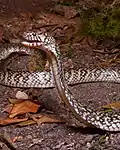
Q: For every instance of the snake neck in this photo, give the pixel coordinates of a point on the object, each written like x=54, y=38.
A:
x=100, y=119
x=8, y=48
x=62, y=88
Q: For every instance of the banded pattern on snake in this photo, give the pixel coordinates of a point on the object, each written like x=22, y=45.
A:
x=100, y=119
x=44, y=79
x=103, y=120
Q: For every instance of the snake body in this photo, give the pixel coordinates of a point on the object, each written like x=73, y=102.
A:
x=45, y=79
x=8, y=48
x=100, y=119
x=26, y=79
x=109, y=121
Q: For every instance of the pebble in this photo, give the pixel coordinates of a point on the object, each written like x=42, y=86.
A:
x=117, y=147
x=82, y=142
x=21, y=95
x=84, y=148
x=47, y=148
x=78, y=147
x=64, y=147
x=88, y=145
x=29, y=136
x=89, y=138
x=59, y=145
x=118, y=138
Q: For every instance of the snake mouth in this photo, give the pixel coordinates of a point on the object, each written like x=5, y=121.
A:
x=32, y=43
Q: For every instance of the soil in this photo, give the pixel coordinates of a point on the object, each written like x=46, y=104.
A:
x=77, y=51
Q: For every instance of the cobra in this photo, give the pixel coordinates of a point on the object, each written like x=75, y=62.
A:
x=109, y=121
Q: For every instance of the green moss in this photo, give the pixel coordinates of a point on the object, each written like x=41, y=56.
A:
x=104, y=23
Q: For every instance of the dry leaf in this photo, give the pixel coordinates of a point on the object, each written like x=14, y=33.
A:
x=115, y=105
x=15, y=101
x=11, y=121
x=24, y=107
x=26, y=123
x=39, y=119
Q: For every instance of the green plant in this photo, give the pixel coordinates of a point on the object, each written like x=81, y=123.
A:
x=66, y=3
x=103, y=23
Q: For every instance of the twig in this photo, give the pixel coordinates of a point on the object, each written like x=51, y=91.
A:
x=4, y=137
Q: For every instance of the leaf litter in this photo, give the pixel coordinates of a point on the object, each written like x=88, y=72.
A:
x=23, y=107
x=114, y=105
x=19, y=114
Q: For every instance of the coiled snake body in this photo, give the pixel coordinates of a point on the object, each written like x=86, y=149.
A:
x=109, y=121
x=44, y=79
x=100, y=119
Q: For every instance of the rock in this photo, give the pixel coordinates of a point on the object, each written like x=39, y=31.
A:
x=21, y=95
x=89, y=138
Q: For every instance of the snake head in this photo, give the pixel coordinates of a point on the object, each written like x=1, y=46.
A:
x=38, y=39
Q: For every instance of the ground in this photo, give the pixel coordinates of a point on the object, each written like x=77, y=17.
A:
x=78, y=51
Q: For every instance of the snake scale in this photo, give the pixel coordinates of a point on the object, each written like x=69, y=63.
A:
x=100, y=119
x=109, y=121
x=44, y=79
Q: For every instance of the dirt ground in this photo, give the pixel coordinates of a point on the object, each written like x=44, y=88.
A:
x=78, y=51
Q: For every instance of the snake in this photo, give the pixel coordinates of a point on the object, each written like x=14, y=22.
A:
x=109, y=121
x=45, y=79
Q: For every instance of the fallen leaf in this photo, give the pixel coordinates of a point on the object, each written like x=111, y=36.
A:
x=114, y=105
x=110, y=62
x=24, y=107
x=15, y=101
x=26, y=123
x=7, y=121
x=40, y=119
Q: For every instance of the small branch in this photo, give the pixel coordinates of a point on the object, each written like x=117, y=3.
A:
x=4, y=137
